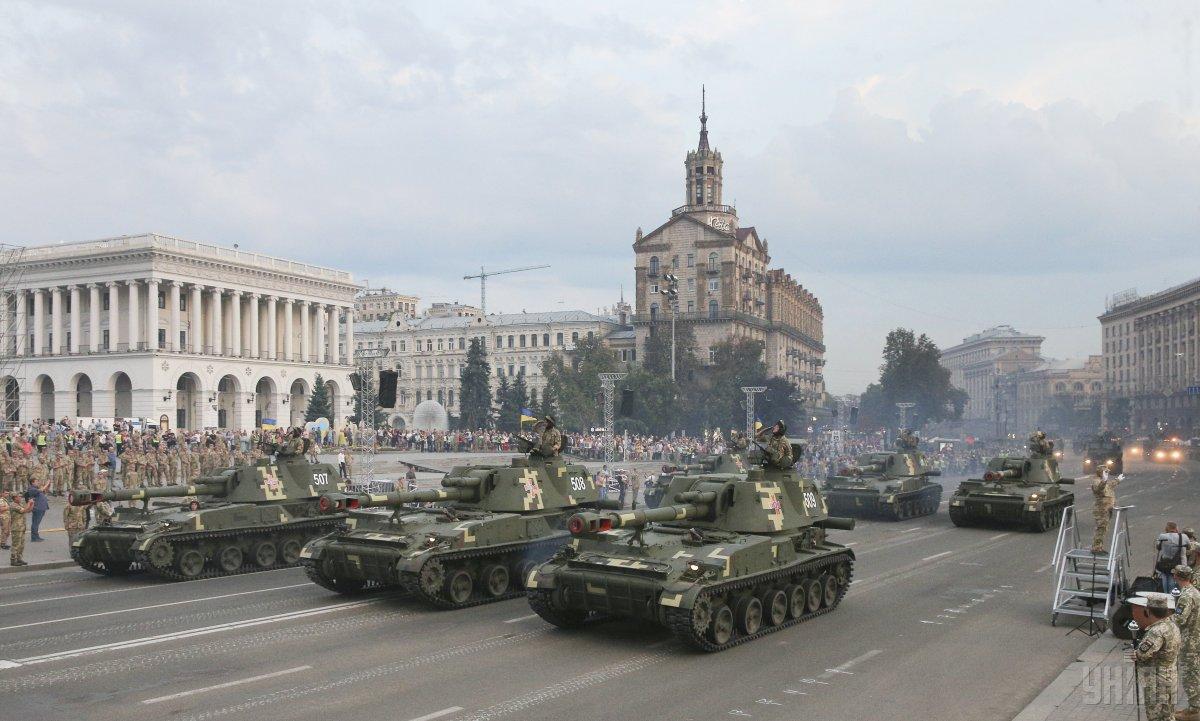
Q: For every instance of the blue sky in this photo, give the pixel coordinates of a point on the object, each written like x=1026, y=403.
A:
x=942, y=166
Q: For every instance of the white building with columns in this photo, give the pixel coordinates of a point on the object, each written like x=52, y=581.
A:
x=182, y=334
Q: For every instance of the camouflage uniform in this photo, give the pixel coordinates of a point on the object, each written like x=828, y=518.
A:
x=74, y=521
x=1156, y=655
x=1188, y=621
x=1104, y=488
x=549, y=443
x=4, y=521
x=83, y=469
x=16, y=517
x=131, y=474
x=779, y=451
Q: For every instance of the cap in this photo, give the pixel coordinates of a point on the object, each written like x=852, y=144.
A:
x=1153, y=599
x=1183, y=571
x=1190, y=532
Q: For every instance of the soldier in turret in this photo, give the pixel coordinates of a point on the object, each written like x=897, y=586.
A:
x=778, y=450
x=907, y=440
x=549, y=442
x=294, y=445
x=1039, y=445
x=738, y=442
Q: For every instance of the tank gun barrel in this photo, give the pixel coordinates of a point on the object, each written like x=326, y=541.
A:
x=590, y=522
x=340, y=502
x=87, y=498
x=999, y=475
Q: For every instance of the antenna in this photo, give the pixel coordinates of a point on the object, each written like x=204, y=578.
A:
x=483, y=276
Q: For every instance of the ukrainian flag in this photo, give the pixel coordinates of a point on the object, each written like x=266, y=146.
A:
x=527, y=416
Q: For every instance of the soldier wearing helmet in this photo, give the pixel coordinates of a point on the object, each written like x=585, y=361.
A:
x=778, y=451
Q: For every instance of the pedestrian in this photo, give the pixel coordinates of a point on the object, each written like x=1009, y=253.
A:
x=16, y=516
x=1187, y=618
x=1156, y=654
x=1104, y=489
x=36, y=494
x=1171, y=545
x=5, y=524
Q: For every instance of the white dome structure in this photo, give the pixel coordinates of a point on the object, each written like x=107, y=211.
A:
x=431, y=416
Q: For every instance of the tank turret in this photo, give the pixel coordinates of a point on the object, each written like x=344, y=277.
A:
x=1019, y=491
x=732, y=556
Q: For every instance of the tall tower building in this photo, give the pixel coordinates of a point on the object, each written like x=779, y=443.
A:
x=703, y=167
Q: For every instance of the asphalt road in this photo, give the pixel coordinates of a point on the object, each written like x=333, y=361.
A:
x=940, y=623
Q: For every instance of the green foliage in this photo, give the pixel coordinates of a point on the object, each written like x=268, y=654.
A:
x=318, y=402
x=574, y=375
x=475, y=391
x=656, y=356
x=911, y=373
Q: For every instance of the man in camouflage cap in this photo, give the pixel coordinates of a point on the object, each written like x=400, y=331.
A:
x=1187, y=619
x=778, y=451
x=1157, y=653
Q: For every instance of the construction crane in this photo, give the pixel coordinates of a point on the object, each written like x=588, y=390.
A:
x=483, y=276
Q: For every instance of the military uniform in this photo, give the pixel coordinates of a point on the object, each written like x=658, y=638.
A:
x=778, y=450
x=16, y=517
x=1187, y=619
x=549, y=444
x=1104, y=489
x=4, y=521
x=1156, y=655
x=74, y=521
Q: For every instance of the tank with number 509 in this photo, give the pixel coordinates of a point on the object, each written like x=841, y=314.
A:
x=471, y=541
x=249, y=518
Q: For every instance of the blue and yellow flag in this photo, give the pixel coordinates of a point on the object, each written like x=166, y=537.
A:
x=527, y=416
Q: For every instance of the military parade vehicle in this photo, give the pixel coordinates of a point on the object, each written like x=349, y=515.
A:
x=654, y=491
x=250, y=518
x=486, y=527
x=893, y=485
x=735, y=556
x=1103, y=450
x=1021, y=491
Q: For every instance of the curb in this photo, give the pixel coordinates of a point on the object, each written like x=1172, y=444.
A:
x=35, y=567
x=1061, y=688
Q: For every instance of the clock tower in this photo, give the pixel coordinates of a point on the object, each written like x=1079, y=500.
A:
x=703, y=189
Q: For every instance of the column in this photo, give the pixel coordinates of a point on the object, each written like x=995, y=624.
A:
x=76, y=320
x=289, y=341
x=152, y=314
x=333, y=335
x=4, y=322
x=94, y=318
x=39, y=322
x=173, y=316
x=350, y=335
x=135, y=329
x=255, y=329
x=22, y=320
x=196, y=325
x=114, y=323
x=318, y=336
x=305, y=332
x=235, y=323
x=272, y=329
x=56, y=321
x=218, y=327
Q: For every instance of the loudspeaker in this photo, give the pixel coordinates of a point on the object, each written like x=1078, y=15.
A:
x=627, y=402
x=387, y=389
x=354, y=382
x=854, y=414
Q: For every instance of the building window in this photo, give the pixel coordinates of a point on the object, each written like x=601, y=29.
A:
x=450, y=397
x=654, y=265
x=714, y=285
x=499, y=342
x=401, y=346
x=510, y=342
x=510, y=370
x=462, y=343
x=521, y=370
x=712, y=355
x=653, y=311
x=712, y=309
x=533, y=340
x=574, y=339
x=675, y=262
x=546, y=339
x=691, y=306
x=522, y=340
x=713, y=262
x=103, y=303
x=182, y=339
x=440, y=371
x=654, y=289
x=591, y=336
x=162, y=338
x=162, y=301
x=103, y=342
x=691, y=286
x=691, y=260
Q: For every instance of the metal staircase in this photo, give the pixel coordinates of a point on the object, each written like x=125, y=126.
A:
x=1087, y=584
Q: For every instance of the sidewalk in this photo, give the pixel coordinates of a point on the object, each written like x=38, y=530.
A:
x=50, y=553
x=1098, y=686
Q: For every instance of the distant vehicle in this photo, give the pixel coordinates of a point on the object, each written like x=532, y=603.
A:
x=1103, y=451
x=1170, y=451
x=1140, y=448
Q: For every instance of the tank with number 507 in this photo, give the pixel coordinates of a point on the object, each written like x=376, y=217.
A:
x=471, y=541
x=249, y=518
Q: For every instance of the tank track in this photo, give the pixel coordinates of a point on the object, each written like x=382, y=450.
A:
x=679, y=620
x=102, y=568
x=539, y=550
x=346, y=587
x=316, y=527
x=962, y=519
x=889, y=512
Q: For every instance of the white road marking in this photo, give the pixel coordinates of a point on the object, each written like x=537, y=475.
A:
x=1168, y=507
x=438, y=714
x=157, y=605
x=998, y=535
x=845, y=667
x=191, y=633
x=8, y=664
x=519, y=619
x=1047, y=567
x=937, y=555
x=933, y=623
x=190, y=584
x=227, y=684
x=910, y=530
x=851, y=544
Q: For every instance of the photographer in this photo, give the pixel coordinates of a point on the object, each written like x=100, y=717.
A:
x=1171, y=545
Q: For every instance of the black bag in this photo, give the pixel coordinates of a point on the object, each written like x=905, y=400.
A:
x=1166, y=565
x=1143, y=583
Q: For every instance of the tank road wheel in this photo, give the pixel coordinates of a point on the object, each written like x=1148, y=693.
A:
x=264, y=554
x=775, y=606
x=495, y=580
x=540, y=601
x=721, y=629
x=795, y=599
x=812, y=594
x=958, y=517
x=702, y=614
x=190, y=563
x=523, y=570
x=161, y=553
x=433, y=577
x=829, y=589
x=1040, y=521
x=229, y=560
x=289, y=550
x=749, y=615
x=459, y=586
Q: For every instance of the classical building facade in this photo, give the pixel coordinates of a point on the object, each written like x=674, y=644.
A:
x=977, y=366
x=174, y=332
x=1152, y=358
x=1057, y=396
x=726, y=287
x=429, y=353
x=382, y=303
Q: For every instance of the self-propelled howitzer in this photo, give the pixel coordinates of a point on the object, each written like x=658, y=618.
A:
x=249, y=518
x=735, y=556
x=894, y=485
x=1022, y=491
x=487, y=525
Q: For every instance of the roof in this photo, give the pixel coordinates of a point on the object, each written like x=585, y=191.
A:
x=623, y=334
x=509, y=319
x=370, y=326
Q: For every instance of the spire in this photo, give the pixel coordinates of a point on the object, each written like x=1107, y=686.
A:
x=703, y=121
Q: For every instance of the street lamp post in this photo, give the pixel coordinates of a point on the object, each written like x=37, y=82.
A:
x=750, y=392
x=672, y=293
x=366, y=360
x=608, y=383
x=904, y=413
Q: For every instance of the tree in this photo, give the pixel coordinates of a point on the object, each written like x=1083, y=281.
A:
x=475, y=391
x=575, y=375
x=656, y=354
x=503, y=392
x=737, y=362
x=511, y=403
x=318, y=402
x=781, y=401
x=548, y=401
x=911, y=373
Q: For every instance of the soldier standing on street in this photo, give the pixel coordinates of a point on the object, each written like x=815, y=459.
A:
x=778, y=450
x=5, y=499
x=1188, y=620
x=17, y=509
x=74, y=521
x=1157, y=654
x=1104, y=488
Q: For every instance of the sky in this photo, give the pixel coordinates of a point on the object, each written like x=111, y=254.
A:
x=941, y=166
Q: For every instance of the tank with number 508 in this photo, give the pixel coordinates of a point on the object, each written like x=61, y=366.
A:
x=471, y=541
x=249, y=518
